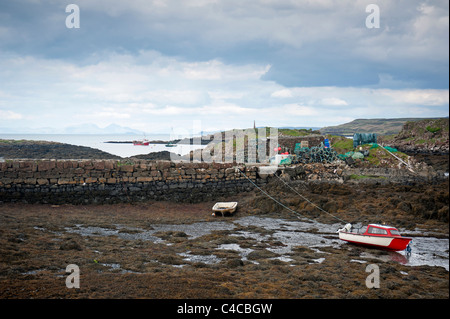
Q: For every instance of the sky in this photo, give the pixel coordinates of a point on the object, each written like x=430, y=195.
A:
x=158, y=66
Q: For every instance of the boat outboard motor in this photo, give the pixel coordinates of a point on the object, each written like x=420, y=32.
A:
x=347, y=228
x=408, y=249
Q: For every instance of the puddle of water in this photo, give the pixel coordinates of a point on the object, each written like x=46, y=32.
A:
x=141, y=234
x=191, y=230
x=243, y=252
x=319, y=260
x=60, y=272
x=425, y=250
x=429, y=251
x=32, y=272
x=293, y=239
x=206, y=259
x=358, y=261
x=284, y=259
x=112, y=266
x=115, y=266
x=286, y=225
x=195, y=230
x=289, y=233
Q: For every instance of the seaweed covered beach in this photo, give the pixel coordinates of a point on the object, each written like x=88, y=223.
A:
x=167, y=250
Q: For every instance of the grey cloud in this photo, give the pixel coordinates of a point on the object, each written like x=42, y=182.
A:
x=308, y=43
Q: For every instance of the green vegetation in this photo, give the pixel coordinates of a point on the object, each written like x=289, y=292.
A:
x=376, y=155
x=433, y=129
x=346, y=145
x=388, y=138
x=340, y=144
x=419, y=133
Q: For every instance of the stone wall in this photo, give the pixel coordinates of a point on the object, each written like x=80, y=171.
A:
x=112, y=181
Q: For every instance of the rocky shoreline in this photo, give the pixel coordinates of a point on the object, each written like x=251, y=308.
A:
x=11, y=149
x=422, y=137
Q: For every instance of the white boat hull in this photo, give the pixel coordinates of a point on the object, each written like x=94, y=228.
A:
x=386, y=242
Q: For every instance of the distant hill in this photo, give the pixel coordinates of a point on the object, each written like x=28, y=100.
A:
x=90, y=128
x=378, y=126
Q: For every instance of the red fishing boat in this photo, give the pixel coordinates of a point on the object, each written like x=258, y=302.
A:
x=143, y=142
x=378, y=236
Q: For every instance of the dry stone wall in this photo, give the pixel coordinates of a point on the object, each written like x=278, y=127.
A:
x=112, y=181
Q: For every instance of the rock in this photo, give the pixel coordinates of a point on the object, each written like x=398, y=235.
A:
x=425, y=136
x=70, y=244
x=127, y=168
x=42, y=181
x=43, y=149
x=261, y=254
x=179, y=234
x=234, y=263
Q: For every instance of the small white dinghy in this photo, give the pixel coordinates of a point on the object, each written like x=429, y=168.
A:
x=223, y=208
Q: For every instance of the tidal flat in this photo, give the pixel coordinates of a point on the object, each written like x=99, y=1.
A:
x=166, y=250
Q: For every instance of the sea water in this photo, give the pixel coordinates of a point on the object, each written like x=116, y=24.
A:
x=99, y=141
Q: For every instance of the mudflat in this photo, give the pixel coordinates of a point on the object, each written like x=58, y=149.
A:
x=167, y=250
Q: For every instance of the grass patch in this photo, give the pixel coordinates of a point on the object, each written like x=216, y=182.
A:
x=389, y=137
x=433, y=129
x=341, y=144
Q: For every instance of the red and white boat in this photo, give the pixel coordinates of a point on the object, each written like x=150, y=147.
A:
x=143, y=142
x=378, y=236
